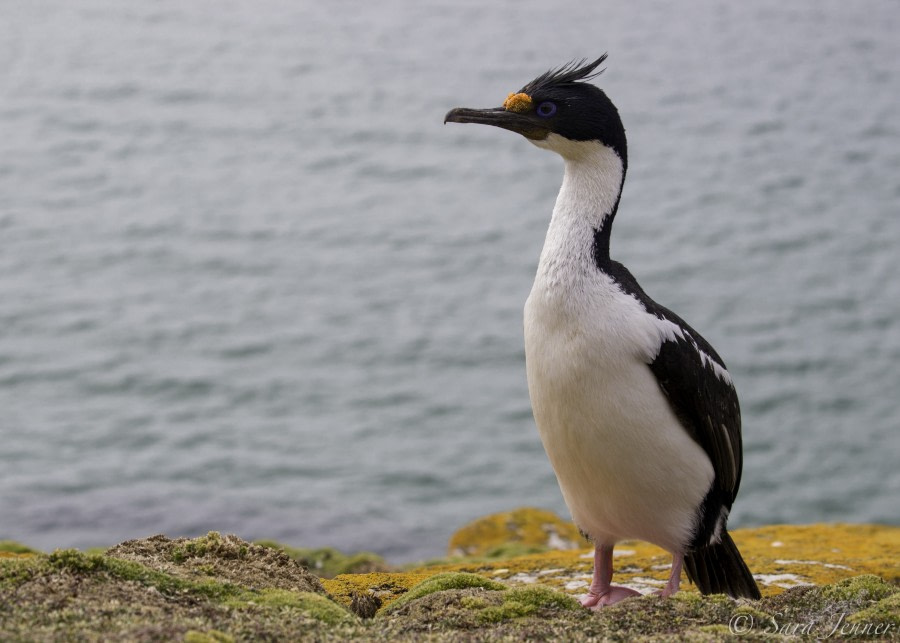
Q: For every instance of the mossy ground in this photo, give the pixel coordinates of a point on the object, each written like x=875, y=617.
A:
x=225, y=558
x=70, y=595
x=844, y=583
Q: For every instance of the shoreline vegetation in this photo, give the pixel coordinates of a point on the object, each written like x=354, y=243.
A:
x=509, y=576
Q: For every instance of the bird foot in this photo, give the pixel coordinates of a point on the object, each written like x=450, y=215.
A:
x=613, y=594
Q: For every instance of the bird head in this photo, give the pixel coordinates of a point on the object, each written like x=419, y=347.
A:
x=556, y=111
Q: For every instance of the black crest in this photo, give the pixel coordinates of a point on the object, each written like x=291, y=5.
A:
x=571, y=72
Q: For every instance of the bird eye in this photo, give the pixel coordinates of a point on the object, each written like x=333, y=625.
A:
x=546, y=109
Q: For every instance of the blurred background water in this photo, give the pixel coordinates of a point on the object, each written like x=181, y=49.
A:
x=249, y=282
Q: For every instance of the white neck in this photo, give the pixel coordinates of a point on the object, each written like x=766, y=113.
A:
x=585, y=203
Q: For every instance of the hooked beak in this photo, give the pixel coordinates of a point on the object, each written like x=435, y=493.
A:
x=522, y=124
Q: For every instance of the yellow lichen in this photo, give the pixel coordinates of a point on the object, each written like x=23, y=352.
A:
x=11, y=554
x=384, y=586
x=13, y=547
x=517, y=102
x=527, y=527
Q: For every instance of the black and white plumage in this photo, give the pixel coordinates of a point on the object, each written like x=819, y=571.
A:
x=637, y=412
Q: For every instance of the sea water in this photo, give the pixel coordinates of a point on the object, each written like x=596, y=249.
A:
x=249, y=282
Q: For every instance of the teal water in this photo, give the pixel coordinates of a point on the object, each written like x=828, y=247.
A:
x=249, y=282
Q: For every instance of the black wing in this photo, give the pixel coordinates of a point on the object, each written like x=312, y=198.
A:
x=705, y=403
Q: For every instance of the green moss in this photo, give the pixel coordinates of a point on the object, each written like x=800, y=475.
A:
x=473, y=602
x=14, y=547
x=692, y=605
x=15, y=571
x=688, y=598
x=213, y=543
x=505, y=612
x=313, y=605
x=70, y=595
x=542, y=597
x=202, y=546
x=886, y=611
x=750, y=614
x=446, y=581
x=527, y=601
x=76, y=562
x=868, y=587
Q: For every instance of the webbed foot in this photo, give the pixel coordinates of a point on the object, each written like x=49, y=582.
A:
x=611, y=595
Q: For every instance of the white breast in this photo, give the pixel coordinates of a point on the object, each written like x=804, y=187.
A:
x=626, y=467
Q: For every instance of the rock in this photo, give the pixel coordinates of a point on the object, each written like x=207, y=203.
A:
x=523, y=531
x=780, y=557
x=382, y=586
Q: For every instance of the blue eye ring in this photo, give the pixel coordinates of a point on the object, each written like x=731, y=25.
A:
x=546, y=109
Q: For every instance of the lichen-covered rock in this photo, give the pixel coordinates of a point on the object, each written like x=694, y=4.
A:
x=522, y=531
x=379, y=588
x=780, y=557
x=226, y=558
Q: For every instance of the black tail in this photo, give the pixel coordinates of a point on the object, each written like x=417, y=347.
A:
x=719, y=569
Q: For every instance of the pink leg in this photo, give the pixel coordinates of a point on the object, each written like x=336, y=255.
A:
x=601, y=592
x=674, y=577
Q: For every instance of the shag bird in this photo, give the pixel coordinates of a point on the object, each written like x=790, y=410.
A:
x=636, y=411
